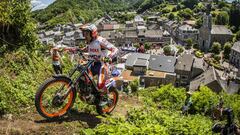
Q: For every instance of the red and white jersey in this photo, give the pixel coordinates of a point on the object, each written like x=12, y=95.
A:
x=102, y=48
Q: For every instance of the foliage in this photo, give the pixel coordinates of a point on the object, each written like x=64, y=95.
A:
x=222, y=18
x=199, y=54
x=199, y=23
x=189, y=43
x=222, y=4
x=227, y=50
x=186, y=13
x=199, y=8
x=180, y=49
x=152, y=120
x=196, y=46
x=216, y=48
x=16, y=25
x=167, y=50
x=190, y=3
x=203, y=100
x=217, y=57
x=63, y=11
x=212, y=62
x=169, y=97
x=238, y=35
x=122, y=18
x=234, y=19
x=232, y=101
x=171, y=16
x=23, y=73
x=134, y=85
x=147, y=46
x=147, y=4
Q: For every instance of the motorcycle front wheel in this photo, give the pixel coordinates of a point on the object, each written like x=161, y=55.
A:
x=49, y=99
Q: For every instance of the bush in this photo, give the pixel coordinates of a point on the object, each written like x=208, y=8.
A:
x=232, y=101
x=217, y=58
x=203, y=100
x=227, y=50
x=166, y=10
x=169, y=97
x=186, y=13
x=171, y=16
x=199, y=54
x=238, y=35
x=22, y=77
x=216, y=48
x=167, y=50
x=222, y=18
x=180, y=49
x=134, y=85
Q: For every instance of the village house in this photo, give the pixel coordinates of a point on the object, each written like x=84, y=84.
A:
x=183, y=69
x=138, y=20
x=151, y=70
x=187, y=32
x=170, y=26
x=199, y=66
x=209, y=78
x=129, y=24
x=235, y=54
x=49, y=34
x=221, y=34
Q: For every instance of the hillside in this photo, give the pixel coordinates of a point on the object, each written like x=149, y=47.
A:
x=63, y=11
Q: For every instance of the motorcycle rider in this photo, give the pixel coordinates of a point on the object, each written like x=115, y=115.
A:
x=99, y=48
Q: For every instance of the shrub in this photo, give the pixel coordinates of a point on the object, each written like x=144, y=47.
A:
x=199, y=54
x=134, y=85
x=203, y=100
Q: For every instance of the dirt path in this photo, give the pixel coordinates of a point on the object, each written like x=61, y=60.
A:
x=32, y=123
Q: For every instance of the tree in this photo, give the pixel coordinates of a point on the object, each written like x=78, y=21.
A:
x=222, y=4
x=189, y=43
x=171, y=16
x=167, y=50
x=190, y=3
x=180, y=49
x=196, y=46
x=186, y=13
x=147, y=46
x=238, y=35
x=216, y=48
x=227, y=50
x=222, y=18
x=199, y=23
x=234, y=18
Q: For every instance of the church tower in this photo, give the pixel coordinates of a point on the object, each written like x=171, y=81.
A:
x=205, y=31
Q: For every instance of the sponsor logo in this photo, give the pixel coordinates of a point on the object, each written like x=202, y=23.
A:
x=94, y=50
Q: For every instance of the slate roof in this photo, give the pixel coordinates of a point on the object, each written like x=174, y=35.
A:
x=131, y=34
x=208, y=78
x=162, y=63
x=185, y=62
x=141, y=62
x=236, y=46
x=134, y=56
x=154, y=33
x=221, y=30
